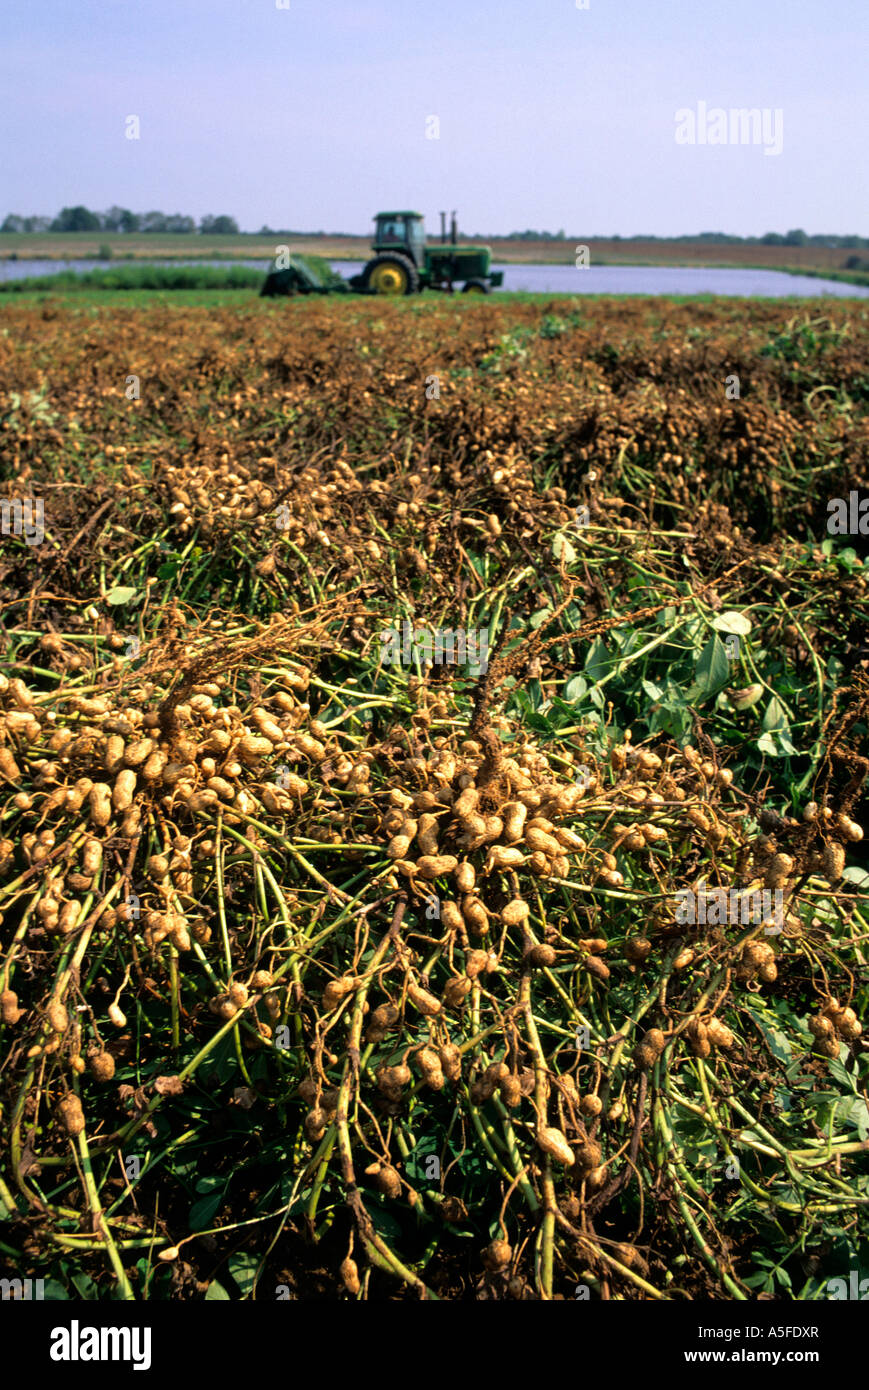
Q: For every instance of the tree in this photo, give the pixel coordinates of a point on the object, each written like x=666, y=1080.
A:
x=220, y=226
x=796, y=238
x=152, y=222
x=120, y=220
x=13, y=223
x=177, y=222
x=77, y=219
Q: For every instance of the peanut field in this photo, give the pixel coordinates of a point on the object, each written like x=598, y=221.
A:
x=433, y=764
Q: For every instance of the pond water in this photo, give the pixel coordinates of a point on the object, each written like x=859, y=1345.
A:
x=661, y=279
x=20, y=270
x=553, y=279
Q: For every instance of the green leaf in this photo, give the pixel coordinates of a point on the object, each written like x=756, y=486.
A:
x=203, y=1212
x=751, y=1133
x=121, y=594
x=535, y=694
x=560, y=712
x=54, y=1292
x=731, y=621
x=210, y=1184
x=216, y=1291
x=300, y=1202
x=673, y=719
x=857, y=876
x=776, y=1040
x=416, y=1162
x=384, y=1224
x=854, y=1111
x=775, y=717
x=243, y=1268
x=575, y=689
x=713, y=667
x=84, y=1286
x=838, y=1073
x=598, y=662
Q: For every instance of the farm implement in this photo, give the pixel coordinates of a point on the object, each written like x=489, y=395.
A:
x=403, y=263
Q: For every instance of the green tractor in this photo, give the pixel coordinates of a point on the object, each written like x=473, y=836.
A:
x=402, y=264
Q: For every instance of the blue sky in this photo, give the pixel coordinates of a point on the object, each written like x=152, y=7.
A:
x=550, y=116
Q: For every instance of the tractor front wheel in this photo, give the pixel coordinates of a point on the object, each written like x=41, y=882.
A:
x=476, y=287
x=390, y=274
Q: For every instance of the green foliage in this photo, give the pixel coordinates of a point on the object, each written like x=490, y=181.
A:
x=803, y=339
x=151, y=276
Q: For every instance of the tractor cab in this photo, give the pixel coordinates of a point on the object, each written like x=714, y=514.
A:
x=401, y=231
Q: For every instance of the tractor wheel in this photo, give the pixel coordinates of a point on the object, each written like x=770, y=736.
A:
x=391, y=273
x=476, y=287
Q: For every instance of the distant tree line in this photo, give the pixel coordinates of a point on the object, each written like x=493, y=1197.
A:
x=794, y=238
x=81, y=219
x=529, y=235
